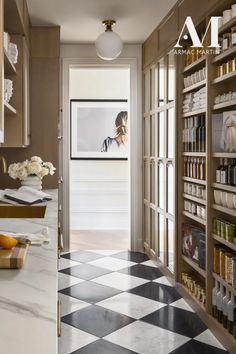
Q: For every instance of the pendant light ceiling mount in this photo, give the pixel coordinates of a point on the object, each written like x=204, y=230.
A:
x=109, y=24
x=108, y=44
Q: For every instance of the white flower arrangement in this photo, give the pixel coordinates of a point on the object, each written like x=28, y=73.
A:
x=33, y=167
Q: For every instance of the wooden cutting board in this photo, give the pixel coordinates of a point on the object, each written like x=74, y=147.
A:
x=14, y=258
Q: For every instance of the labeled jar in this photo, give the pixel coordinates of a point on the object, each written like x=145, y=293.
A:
x=226, y=43
x=216, y=265
x=228, y=268
x=234, y=272
x=233, y=35
x=222, y=263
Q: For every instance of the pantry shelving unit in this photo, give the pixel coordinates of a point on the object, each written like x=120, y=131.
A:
x=214, y=86
x=155, y=103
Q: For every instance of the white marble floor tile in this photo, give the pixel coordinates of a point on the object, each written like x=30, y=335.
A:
x=72, y=339
x=151, y=263
x=120, y=281
x=70, y=304
x=163, y=280
x=182, y=304
x=105, y=252
x=208, y=337
x=67, y=263
x=113, y=264
x=64, y=281
x=155, y=340
x=131, y=305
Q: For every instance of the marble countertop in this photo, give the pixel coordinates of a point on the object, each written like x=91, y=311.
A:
x=28, y=296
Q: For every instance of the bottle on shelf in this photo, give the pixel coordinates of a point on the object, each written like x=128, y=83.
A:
x=218, y=171
x=198, y=169
x=230, y=173
x=224, y=172
x=230, y=310
x=185, y=166
x=190, y=135
x=202, y=169
x=184, y=137
x=202, y=135
x=219, y=302
x=214, y=299
x=226, y=299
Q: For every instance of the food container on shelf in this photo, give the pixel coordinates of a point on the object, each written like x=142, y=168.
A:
x=233, y=10
x=227, y=15
x=223, y=196
x=220, y=20
x=217, y=197
x=229, y=200
x=234, y=200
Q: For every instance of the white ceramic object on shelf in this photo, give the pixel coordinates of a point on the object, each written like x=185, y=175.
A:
x=233, y=7
x=220, y=21
x=223, y=199
x=230, y=201
x=217, y=197
x=227, y=15
x=234, y=200
x=33, y=182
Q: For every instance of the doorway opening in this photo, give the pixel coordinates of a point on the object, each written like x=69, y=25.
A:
x=99, y=181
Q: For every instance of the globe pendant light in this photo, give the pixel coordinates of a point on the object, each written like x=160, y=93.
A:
x=109, y=44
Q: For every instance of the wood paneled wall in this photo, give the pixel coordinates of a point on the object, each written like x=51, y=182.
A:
x=44, y=104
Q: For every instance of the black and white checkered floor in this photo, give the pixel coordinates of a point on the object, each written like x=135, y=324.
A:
x=120, y=303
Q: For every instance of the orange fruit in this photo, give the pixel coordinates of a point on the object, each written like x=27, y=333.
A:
x=7, y=242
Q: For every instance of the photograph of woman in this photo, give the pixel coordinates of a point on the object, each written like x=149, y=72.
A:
x=119, y=142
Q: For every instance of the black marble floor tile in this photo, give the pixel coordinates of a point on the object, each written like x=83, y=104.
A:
x=142, y=271
x=177, y=320
x=195, y=347
x=85, y=271
x=103, y=347
x=97, y=320
x=158, y=292
x=90, y=292
x=137, y=257
x=82, y=256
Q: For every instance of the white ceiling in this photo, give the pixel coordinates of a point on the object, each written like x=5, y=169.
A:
x=80, y=20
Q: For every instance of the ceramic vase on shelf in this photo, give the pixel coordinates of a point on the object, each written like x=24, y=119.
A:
x=33, y=182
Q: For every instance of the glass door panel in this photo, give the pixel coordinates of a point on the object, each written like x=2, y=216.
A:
x=161, y=83
x=170, y=188
x=161, y=134
x=152, y=229
x=153, y=135
x=146, y=223
x=161, y=186
x=146, y=137
x=171, y=133
x=152, y=182
x=171, y=244
x=147, y=91
x=161, y=238
x=171, y=76
x=146, y=180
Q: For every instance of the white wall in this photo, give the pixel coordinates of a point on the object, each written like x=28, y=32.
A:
x=99, y=195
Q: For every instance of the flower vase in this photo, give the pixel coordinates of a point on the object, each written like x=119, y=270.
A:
x=33, y=182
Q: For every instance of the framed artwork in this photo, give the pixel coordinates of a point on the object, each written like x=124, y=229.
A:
x=99, y=129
